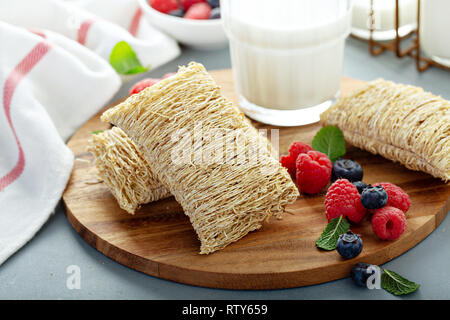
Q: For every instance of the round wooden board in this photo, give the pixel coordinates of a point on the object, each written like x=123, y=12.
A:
x=159, y=240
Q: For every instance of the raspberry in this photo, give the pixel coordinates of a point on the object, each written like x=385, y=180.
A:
x=289, y=163
x=141, y=85
x=164, y=6
x=198, y=11
x=186, y=4
x=295, y=149
x=396, y=196
x=388, y=223
x=313, y=171
x=168, y=75
x=343, y=199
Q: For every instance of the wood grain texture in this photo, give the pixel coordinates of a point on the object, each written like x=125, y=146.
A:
x=159, y=240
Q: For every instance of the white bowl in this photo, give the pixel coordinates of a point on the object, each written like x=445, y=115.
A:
x=201, y=34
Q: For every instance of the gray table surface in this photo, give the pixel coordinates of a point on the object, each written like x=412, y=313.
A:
x=38, y=270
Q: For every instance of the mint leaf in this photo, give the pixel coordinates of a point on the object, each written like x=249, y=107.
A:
x=394, y=283
x=124, y=60
x=97, y=132
x=329, y=237
x=330, y=140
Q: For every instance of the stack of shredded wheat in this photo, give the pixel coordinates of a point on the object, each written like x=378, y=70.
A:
x=401, y=122
x=224, y=200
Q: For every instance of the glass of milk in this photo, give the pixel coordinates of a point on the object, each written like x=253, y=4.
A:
x=434, y=30
x=384, y=18
x=287, y=56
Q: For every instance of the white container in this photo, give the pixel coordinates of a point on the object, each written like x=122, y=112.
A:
x=200, y=34
x=384, y=18
x=287, y=56
x=435, y=30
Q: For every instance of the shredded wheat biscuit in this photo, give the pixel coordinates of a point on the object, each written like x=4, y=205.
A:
x=400, y=122
x=224, y=201
x=124, y=170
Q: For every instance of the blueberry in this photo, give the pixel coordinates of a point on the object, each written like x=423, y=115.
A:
x=214, y=3
x=215, y=13
x=347, y=169
x=349, y=245
x=360, y=186
x=177, y=13
x=374, y=197
x=360, y=274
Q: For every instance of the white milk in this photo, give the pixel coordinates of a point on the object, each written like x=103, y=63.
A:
x=286, y=55
x=384, y=15
x=435, y=30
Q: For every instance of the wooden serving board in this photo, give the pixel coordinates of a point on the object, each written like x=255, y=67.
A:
x=159, y=240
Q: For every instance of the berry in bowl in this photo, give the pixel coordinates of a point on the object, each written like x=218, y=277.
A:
x=194, y=23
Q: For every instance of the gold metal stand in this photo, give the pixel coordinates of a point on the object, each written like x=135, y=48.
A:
x=394, y=45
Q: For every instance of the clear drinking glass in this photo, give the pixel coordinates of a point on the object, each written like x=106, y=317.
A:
x=384, y=18
x=434, y=30
x=286, y=56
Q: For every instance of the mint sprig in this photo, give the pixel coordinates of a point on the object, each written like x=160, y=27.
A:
x=97, y=131
x=397, y=285
x=329, y=237
x=124, y=60
x=330, y=140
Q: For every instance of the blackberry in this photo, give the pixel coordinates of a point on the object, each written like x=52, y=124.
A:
x=374, y=197
x=347, y=169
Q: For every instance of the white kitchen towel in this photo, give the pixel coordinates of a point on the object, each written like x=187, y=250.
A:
x=73, y=20
x=52, y=80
